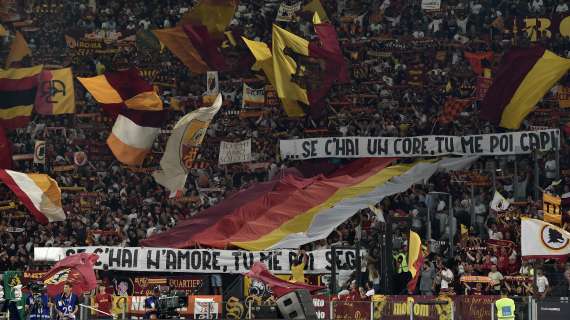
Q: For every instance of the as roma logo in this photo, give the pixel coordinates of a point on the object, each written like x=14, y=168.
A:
x=193, y=136
x=553, y=239
x=59, y=277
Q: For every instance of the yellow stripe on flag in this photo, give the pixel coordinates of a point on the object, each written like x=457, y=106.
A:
x=316, y=7
x=19, y=111
x=101, y=89
x=20, y=73
x=125, y=153
x=264, y=60
x=215, y=15
x=543, y=75
x=148, y=101
x=302, y=222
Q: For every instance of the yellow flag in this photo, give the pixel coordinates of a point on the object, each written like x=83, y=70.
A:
x=3, y=32
x=55, y=94
x=316, y=7
x=216, y=15
x=264, y=61
x=18, y=50
x=285, y=66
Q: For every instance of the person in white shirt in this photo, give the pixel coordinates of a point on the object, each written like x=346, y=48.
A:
x=536, y=6
x=542, y=284
x=494, y=233
x=446, y=277
x=496, y=278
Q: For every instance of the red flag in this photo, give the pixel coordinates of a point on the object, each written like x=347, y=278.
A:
x=452, y=108
x=76, y=269
x=5, y=150
x=278, y=286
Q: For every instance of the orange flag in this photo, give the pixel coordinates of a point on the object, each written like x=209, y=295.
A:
x=18, y=50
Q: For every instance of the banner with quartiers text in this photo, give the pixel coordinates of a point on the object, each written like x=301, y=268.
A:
x=421, y=146
x=139, y=259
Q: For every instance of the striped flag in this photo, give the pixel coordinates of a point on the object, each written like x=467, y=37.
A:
x=123, y=89
x=38, y=192
x=523, y=78
x=133, y=134
x=18, y=88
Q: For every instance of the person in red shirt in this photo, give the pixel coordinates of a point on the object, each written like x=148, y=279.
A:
x=103, y=302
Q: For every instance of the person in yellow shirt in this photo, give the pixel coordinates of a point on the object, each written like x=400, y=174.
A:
x=298, y=268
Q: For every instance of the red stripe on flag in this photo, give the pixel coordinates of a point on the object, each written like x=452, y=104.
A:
x=43, y=103
x=10, y=183
x=22, y=84
x=15, y=123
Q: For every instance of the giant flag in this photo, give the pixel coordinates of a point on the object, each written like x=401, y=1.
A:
x=17, y=94
x=38, y=192
x=523, y=78
x=55, y=94
x=292, y=210
x=123, y=89
x=415, y=259
x=541, y=239
x=183, y=145
x=76, y=269
x=18, y=50
x=134, y=133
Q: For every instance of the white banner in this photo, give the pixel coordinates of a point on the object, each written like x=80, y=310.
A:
x=421, y=146
x=200, y=260
x=431, y=5
x=252, y=97
x=286, y=12
x=212, y=83
x=235, y=152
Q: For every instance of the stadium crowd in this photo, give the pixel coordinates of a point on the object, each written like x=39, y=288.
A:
x=405, y=63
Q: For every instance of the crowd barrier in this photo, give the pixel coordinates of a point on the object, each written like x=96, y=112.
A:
x=379, y=307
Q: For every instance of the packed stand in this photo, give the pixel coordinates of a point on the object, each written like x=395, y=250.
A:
x=405, y=63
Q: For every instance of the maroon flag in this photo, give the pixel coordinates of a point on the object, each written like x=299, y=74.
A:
x=76, y=269
x=206, y=46
x=278, y=286
x=5, y=150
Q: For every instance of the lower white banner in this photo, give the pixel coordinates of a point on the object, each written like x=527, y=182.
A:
x=138, y=259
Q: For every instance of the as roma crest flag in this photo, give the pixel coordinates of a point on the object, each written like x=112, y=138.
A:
x=55, y=94
x=76, y=269
x=183, y=145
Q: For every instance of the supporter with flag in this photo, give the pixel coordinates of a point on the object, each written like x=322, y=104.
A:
x=74, y=273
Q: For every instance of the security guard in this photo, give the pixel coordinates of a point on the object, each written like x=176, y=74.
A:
x=505, y=307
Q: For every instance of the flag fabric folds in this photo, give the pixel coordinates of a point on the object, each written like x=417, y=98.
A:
x=292, y=210
x=18, y=50
x=55, y=94
x=134, y=133
x=207, y=47
x=541, y=239
x=264, y=61
x=279, y=287
x=123, y=89
x=523, y=78
x=77, y=269
x=317, y=7
x=182, y=147
x=5, y=150
x=38, y=192
x=176, y=40
x=415, y=259
x=215, y=15
x=18, y=88
x=452, y=108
